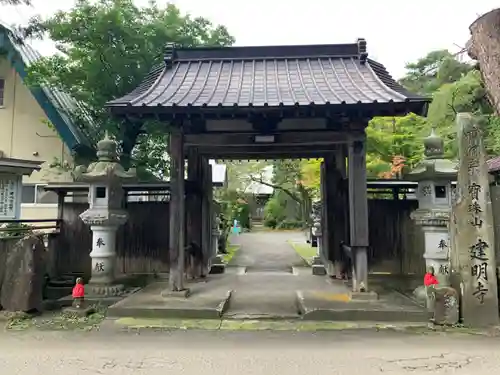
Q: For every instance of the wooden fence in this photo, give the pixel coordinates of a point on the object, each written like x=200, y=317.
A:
x=142, y=243
x=396, y=242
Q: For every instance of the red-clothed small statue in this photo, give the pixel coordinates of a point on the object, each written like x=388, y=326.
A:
x=430, y=278
x=78, y=293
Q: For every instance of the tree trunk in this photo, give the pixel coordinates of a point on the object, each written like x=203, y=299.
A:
x=484, y=46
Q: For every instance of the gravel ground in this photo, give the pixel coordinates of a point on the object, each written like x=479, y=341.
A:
x=245, y=353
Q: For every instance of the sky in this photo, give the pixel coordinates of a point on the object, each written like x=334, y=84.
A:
x=397, y=32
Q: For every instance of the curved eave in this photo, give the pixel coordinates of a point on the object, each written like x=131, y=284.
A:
x=430, y=174
x=373, y=109
x=335, y=85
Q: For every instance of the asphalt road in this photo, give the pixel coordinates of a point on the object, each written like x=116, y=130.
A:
x=245, y=353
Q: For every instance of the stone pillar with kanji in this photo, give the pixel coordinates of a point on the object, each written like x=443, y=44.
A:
x=473, y=256
x=434, y=176
x=105, y=214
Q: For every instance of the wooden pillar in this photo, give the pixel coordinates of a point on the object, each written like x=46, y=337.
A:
x=324, y=213
x=211, y=208
x=358, y=214
x=193, y=210
x=60, y=207
x=341, y=212
x=331, y=181
x=206, y=229
x=177, y=222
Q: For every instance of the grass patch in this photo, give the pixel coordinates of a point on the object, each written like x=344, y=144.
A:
x=231, y=252
x=57, y=321
x=305, y=251
x=169, y=324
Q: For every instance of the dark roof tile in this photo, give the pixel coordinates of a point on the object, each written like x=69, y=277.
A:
x=493, y=164
x=272, y=76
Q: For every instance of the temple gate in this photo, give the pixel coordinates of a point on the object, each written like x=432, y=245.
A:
x=268, y=102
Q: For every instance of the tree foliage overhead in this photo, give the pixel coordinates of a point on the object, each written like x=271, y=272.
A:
x=15, y=2
x=106, y=48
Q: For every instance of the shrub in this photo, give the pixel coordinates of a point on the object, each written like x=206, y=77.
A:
x=15, y=230
x=290, y=224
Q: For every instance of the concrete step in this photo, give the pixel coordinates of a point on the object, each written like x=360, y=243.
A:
x=340, y=307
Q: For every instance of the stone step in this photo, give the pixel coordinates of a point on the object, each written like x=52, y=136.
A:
x=319, y=306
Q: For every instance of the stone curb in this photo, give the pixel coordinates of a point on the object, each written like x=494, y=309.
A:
x=128, y=324
x=172, y=313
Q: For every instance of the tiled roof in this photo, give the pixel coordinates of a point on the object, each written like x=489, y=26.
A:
x=64, y=104
x=493, y=164
x=268, y=76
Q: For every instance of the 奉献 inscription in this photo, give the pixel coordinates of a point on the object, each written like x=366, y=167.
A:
x=442, y=245
x=444, y=269
x=99, y=267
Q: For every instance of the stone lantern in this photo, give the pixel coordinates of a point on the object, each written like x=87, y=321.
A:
x=318, y=265
x=105, y=213
x=216, y=261
x=435, y=175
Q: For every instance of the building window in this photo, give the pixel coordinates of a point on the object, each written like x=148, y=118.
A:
x=32, y=194
x=2, y=91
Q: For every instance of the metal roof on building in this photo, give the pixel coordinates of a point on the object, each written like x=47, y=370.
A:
x=270, y=76
x=64, y=105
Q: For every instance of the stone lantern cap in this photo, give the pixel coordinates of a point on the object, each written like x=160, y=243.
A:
x=107, y=167
x=435, y=166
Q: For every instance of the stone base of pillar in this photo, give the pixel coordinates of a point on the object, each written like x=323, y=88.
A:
x=217, y=265
x=316, y=261
x=104, y=290
x=364, y=296
x=175, y=293
x=318, y=270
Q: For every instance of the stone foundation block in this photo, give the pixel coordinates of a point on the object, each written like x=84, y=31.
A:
x=80, y=312
x=217, y=268
x=318, y=270
x=176, y=293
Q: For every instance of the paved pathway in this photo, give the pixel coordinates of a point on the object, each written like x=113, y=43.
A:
x=268, y=288
x=246, y=353
x=268, y=251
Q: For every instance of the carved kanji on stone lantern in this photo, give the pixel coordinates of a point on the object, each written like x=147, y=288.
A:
x=105, y=213
x=434, y=176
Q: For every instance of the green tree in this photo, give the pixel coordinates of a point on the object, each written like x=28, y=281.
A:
x=467, y=94
x=389, y=137
x=107, y=47
x=429, y=73
x=15, y=2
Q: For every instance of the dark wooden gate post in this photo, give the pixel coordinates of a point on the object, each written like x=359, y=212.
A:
x=358, y=213
x=340, y=212
x=331, y=182
x=194, y=208
x=325, y=243
x=206, y=213
x=176, y=278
